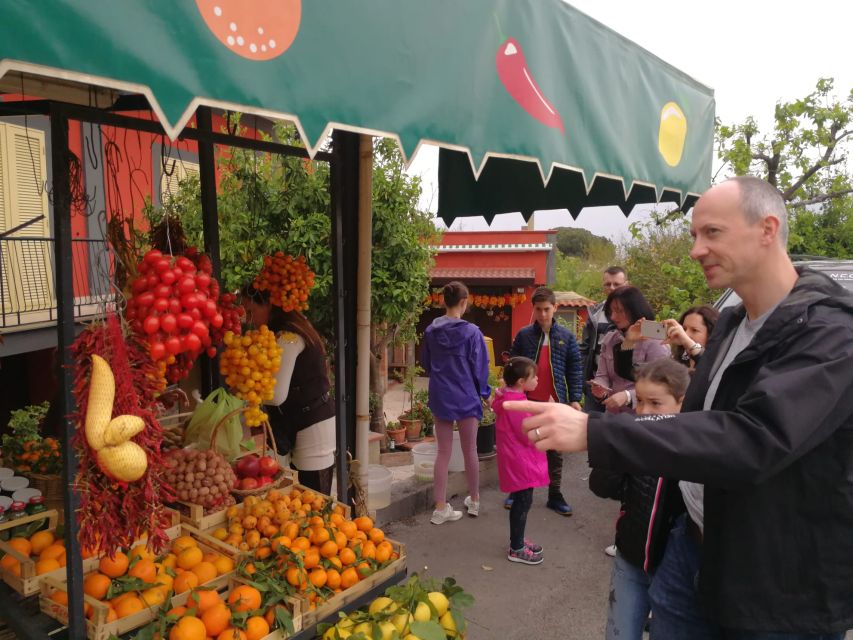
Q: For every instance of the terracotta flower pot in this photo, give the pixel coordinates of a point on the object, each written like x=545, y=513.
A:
x=397, y=435
x=413, y=428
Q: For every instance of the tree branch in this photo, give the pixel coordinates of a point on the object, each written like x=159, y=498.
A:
x=821, y=198
x=817, y=166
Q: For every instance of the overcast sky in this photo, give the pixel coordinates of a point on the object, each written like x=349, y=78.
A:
x=752, y=53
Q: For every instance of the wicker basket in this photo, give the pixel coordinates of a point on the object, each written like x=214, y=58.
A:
x=51, y=488
x=174, y=427
x=267, y=440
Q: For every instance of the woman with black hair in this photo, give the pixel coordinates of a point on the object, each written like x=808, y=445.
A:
x=623, y=349
x=690, y=334
x=302, y=411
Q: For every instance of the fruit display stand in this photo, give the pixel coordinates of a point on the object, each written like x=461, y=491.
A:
x=27, y=583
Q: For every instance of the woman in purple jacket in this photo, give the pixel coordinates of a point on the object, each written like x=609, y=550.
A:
x=456, y=361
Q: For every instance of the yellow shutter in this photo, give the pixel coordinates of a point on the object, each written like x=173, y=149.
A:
x=5, y=261
x=171, y=184
x=30, y=269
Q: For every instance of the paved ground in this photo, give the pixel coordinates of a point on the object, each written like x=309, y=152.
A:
x=565, y=597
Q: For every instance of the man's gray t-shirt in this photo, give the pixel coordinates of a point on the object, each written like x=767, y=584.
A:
x=693, y=493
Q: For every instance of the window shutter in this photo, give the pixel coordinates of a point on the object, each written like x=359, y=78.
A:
x=5, y=262
x=31, y=268
x=171, y=184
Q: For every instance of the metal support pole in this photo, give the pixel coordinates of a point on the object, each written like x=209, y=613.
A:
x=210, y=378
x=344, y=202
x=65, y=336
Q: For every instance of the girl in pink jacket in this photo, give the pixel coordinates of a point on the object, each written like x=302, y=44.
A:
x=521, y=466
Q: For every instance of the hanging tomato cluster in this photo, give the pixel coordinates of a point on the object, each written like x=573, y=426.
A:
x=288, y=279
x=249, y=364
x=174, y=306
x=231, y=310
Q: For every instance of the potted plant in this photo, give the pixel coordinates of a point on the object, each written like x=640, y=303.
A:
x=28, y=453
x=486, y=430
x=396, y=432
x=410, y=419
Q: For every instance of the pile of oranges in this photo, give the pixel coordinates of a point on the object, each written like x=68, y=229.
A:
x=43, y=547
x=249, y=364
x=207, y=614
x=288, y=279
x=304, y=538
x=130, y=582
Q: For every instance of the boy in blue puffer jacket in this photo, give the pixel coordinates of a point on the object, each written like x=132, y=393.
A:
x=560, y=372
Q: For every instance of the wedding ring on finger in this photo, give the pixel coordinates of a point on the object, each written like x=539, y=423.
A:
x=538, y=435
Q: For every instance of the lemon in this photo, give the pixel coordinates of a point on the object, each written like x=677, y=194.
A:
x=381, y=604
x=387, y=629
x=422, y=612
x=401, y=620
x=366, y=628
x=439, y=601
x=411, y=636
x=672, y=133
x=449, y=624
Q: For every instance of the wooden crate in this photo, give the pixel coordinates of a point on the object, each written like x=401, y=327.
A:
x=97, y=628
x=194, y=515
x=345, y=597
x=27, y=583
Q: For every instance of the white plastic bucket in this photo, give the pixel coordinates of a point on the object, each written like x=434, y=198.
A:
x=378, y=487
x=423, y=456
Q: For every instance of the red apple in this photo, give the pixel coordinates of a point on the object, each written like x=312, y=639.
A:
x=269, y=466
x=264, y=481
x=248, y=466
x=246, y=484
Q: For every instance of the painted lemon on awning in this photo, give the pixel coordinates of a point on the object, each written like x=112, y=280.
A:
x=672, y=133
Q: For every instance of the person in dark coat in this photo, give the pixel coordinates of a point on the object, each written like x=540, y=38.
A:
x=649, y=506
x=560, y=369
x=457, y=363
x=765, y=438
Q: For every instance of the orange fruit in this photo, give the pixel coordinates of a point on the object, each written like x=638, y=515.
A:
x=376, y=535
x=300, y=543
x=329, y=549
x=333, y=578
x=112, y=616
x=256, y=628
x=40, y=540
x=43, y=566
x=383, y=552
x=206, y=571
x=210, y=556
x=21, y=545
x=231, y=634
x=336, y=563
x=115, y=566
x=318, y=577
x=9, y=563
x=176, y=611
x=188, y=628
x=190, y=557
x=154, y=597
x=244, y=598
x=311, y=558
x=348, y=528
x=363, y=523
x=55, y=551
x=364, y=569
x=281, y=541
x=216, y=619
x=340, y=539
x=129, y=606
x=140, y=551
x=170, y=560
x=203, y=599
x=349, y=577
x=347, y=556
x=59, y=596
x=144, y=570
x=220, y=534
x=291, y=530
x=185, y=581
x=223, y=565
x=368, y=550
x=96, y=585
x=183, y=542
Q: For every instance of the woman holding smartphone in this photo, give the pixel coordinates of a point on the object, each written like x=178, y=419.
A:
x=624, y=348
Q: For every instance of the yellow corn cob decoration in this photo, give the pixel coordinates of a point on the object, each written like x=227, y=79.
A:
x=110, y=438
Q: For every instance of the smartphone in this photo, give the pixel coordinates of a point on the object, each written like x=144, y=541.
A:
x=652, y=329
x=600, y=386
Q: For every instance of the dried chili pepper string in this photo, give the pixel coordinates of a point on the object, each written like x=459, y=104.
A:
x=114, y=514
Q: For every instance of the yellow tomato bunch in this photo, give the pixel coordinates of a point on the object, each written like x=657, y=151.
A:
x=250, y=363
x=288, y=279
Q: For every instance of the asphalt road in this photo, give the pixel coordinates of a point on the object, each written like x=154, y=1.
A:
x=565, y=597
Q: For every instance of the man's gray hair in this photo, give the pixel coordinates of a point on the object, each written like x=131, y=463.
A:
x=759, y=199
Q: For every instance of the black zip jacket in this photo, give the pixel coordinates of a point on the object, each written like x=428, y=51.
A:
x=649, y=507
x=776, y=455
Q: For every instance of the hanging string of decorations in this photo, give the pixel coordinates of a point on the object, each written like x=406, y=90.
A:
x=497, y=306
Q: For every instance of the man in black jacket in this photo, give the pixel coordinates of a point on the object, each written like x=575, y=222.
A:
x=767, y=429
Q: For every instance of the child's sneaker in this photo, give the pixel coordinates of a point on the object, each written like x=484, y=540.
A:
x=525, y=556
x=535, y=548
x=445, y=515
x=473, y=506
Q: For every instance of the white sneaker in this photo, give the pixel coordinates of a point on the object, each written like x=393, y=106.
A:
x=445, y=515
x=611, y=550
x=473, y=507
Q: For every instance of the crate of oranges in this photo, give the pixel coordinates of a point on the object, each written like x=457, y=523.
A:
x=26, y=559
x=125, y=591
x=238, y=611
x=252, y=525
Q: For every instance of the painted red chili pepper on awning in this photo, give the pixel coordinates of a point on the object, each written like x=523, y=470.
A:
x=519, y=82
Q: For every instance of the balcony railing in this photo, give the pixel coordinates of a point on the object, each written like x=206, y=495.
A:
x=27, y=287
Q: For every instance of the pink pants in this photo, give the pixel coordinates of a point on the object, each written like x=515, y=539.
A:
x=468, y=438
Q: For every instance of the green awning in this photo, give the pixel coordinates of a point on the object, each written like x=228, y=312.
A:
x=532, y=80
